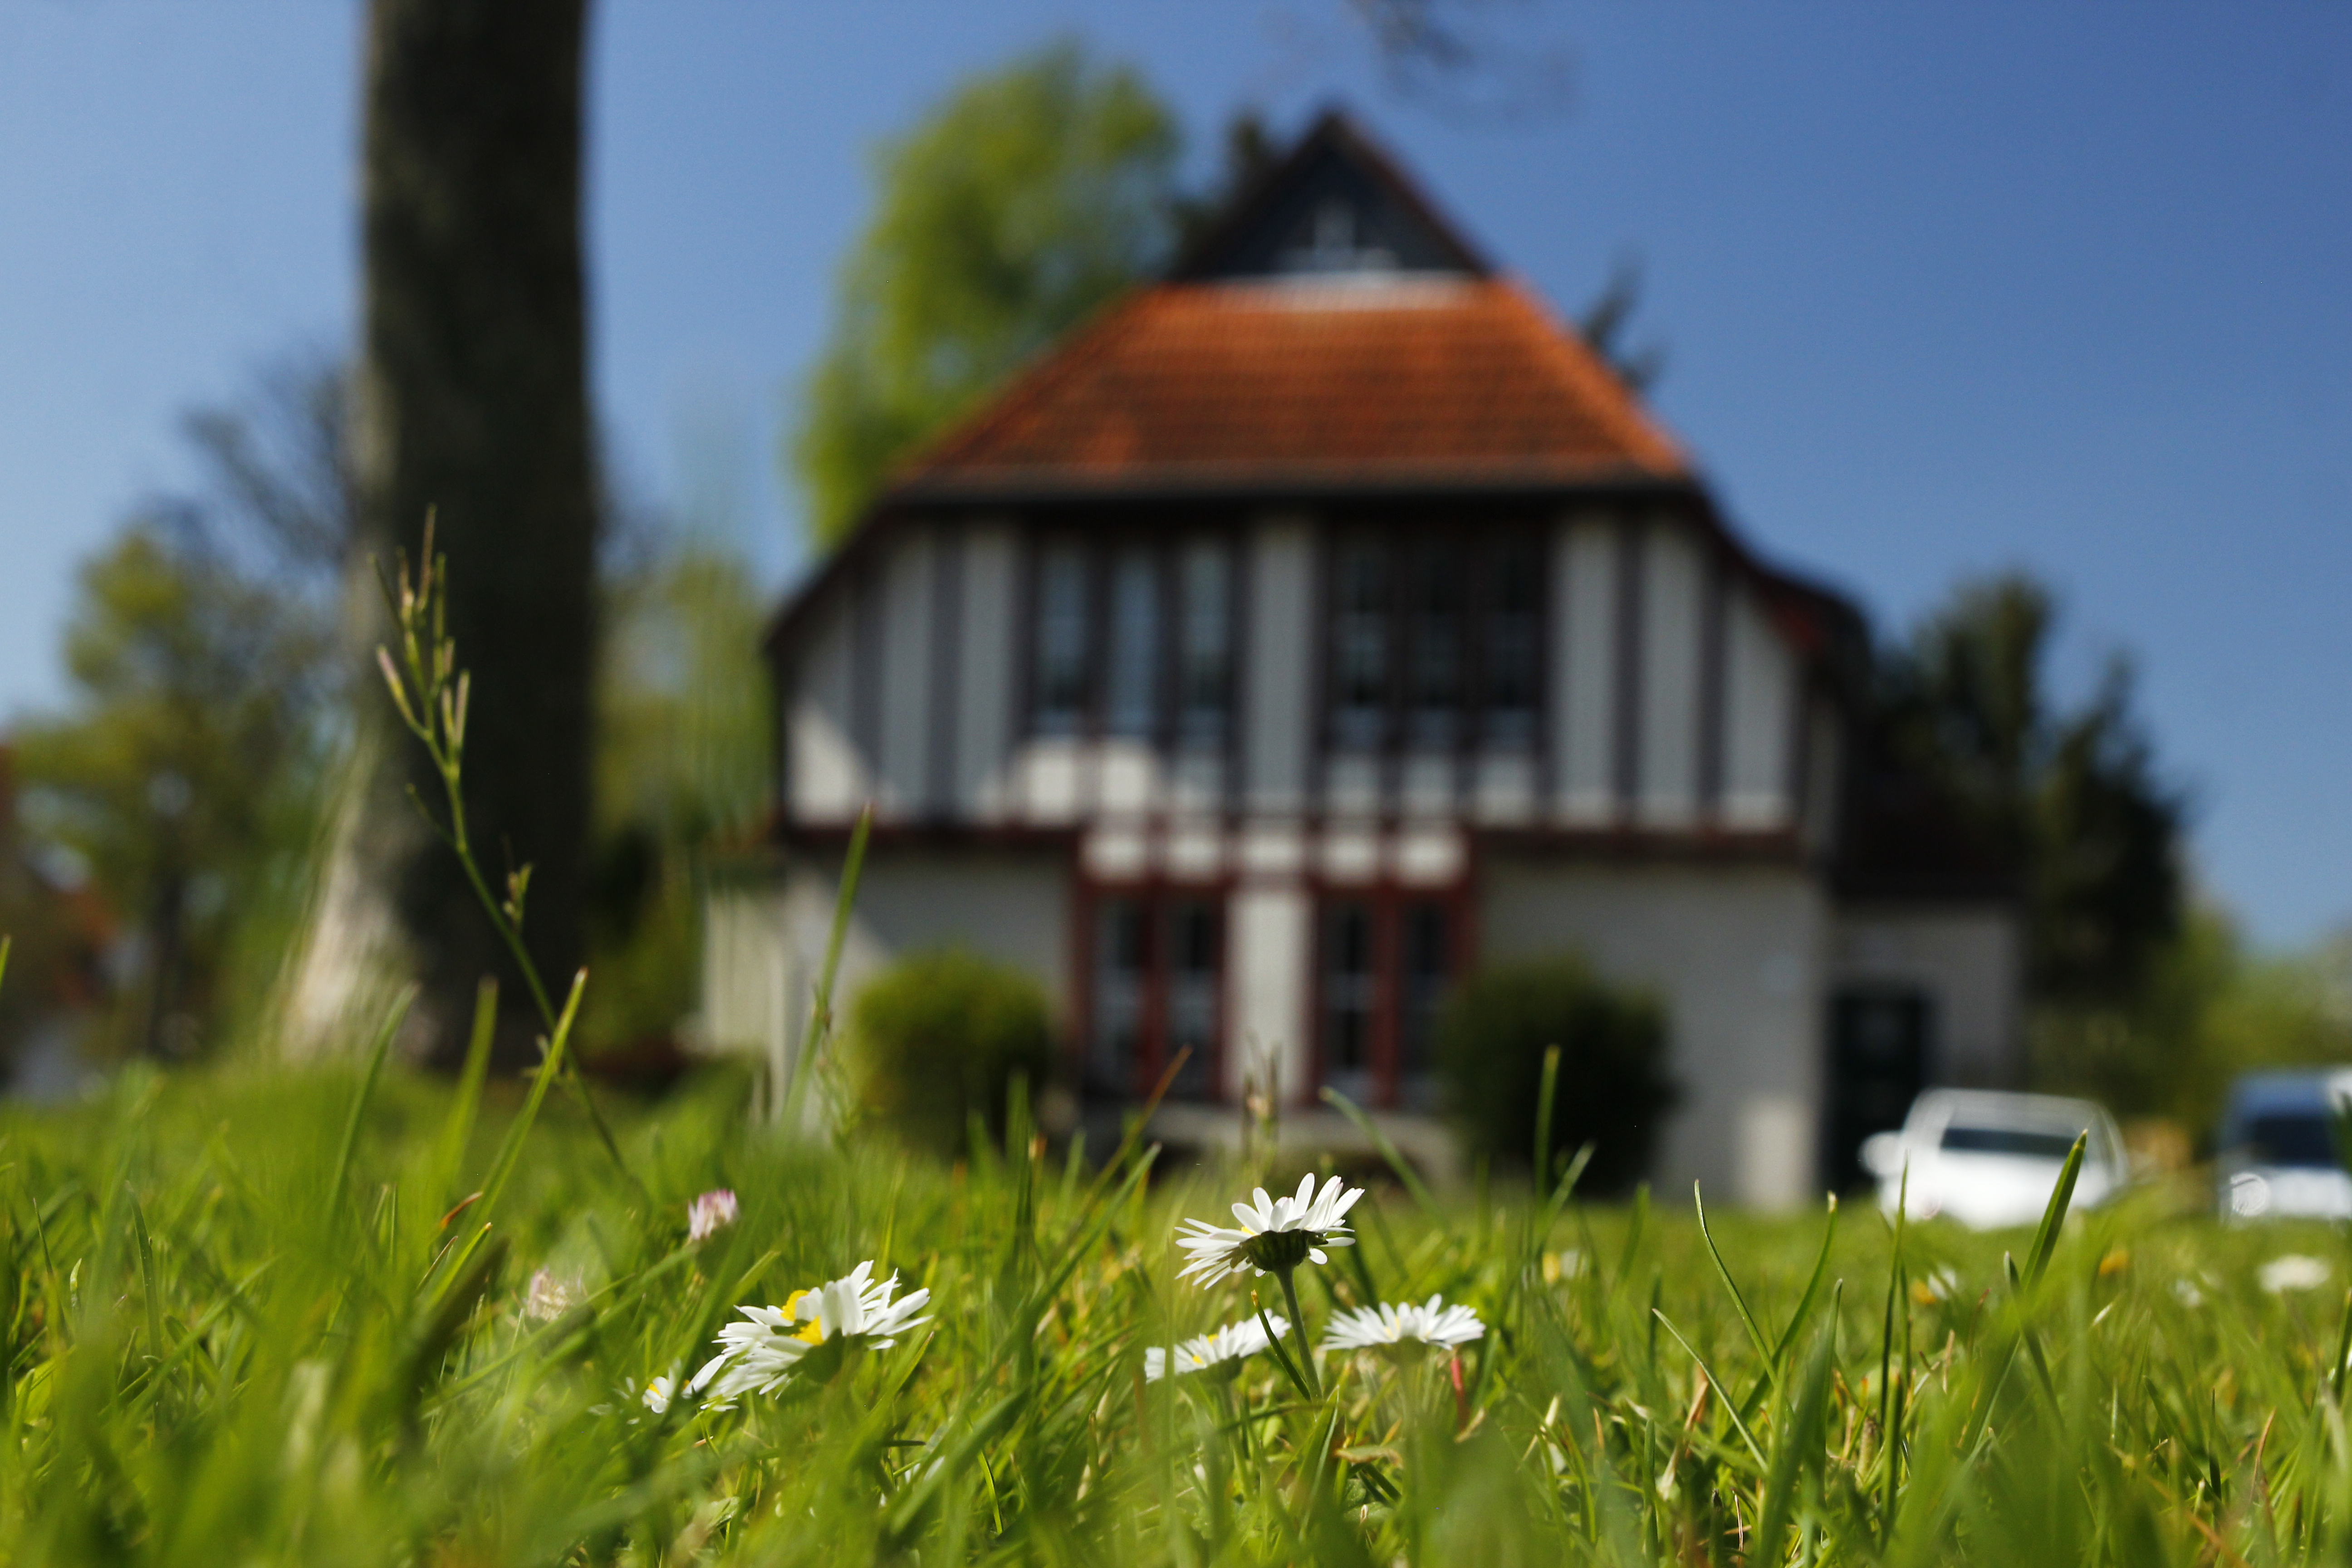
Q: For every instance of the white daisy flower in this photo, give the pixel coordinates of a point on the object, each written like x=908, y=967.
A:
x=1223, y=1350
x=845, y=1314
x=712, y=1211
x=1276, y=1235
x=2292, y=1272
x=658, y=1393
x=1404, y=1331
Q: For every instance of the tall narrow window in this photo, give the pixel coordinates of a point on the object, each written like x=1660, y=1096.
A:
x=1435, y=691
x=1195, y=949
x=1131, y=681
x=1385, y=964
x=1350, y=999
x=1123, y=968
x=1428, y=966
x=1204, y=643
x=1360, y=645
x=1513, y=652
x=1058, y=693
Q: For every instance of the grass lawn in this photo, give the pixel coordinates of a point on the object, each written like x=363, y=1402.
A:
x=245, y=1325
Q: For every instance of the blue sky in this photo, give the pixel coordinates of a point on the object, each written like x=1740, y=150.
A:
x=1946, y=287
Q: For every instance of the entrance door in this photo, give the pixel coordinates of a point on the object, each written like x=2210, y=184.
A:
x=1878, y=1064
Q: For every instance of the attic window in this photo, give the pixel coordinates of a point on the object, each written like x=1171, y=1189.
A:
x=1334, y=242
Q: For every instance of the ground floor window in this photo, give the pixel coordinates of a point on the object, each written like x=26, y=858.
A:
x=1156, y=979
x=1384, y=962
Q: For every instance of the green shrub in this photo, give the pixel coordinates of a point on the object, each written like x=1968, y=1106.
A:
x=941, y=1035
x=1613, y=1080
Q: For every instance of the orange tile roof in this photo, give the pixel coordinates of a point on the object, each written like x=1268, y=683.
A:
x=1351, y=381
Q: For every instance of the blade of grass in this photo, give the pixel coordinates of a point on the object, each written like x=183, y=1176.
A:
x=1738, y=1301
x=1797, y=1450
x=1738, y=1425
x=820, y=1029
x=2045, y=1240
x=1388, y=1150
x=393, y=1017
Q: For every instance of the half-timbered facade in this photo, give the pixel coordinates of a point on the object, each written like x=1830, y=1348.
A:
x=1318, y=623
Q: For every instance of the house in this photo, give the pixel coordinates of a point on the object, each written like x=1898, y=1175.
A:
x=1318, y=623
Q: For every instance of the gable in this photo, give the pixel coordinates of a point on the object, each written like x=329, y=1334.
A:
x=1336, y=208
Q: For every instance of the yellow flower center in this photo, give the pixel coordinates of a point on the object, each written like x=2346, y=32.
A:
x=814, y=1333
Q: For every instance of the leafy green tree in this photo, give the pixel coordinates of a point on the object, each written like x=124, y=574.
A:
x=182, y=773
x=2074, y=800
x=1024, y=202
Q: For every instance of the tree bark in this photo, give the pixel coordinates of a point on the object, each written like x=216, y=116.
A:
x=473, y=403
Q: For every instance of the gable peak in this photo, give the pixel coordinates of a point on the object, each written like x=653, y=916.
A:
x=1337, y=206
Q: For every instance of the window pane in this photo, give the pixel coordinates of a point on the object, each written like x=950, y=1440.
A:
x=1434, y=687
x=1059, y=699
x=1122, y=958
x=1130, y=701
x=1514, y=642
x=1195, y=952
x=1348, y=996
x=1428, y=967
x=1205, y=669
x=1360, y=645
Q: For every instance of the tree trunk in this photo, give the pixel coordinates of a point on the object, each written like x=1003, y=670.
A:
x=472, y=401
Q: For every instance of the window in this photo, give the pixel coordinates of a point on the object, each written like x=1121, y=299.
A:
x=1133, y=640
x=1386, y=964
x=1433, y=712
x=1360, y=645
x=1204, y=643
x=1435, y=641
x=1350, y=987
x=1158, y=989
x=1063, y=628
x=1513, y=655
x=1131, y=701
x=1121, y=971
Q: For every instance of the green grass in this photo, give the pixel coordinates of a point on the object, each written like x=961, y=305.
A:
x=244, y=1326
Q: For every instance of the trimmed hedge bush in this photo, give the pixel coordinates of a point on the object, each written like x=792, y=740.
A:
x=941, y=1035
x=1614, y=1087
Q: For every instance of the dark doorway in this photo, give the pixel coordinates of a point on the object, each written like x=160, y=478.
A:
x=1879, y=1041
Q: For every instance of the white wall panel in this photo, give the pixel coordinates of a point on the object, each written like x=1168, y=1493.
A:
x=1584, y=671
x=1269, y=946
x=1759, y=696
x=827, y=776
x=1673, y=594
x=986, y=662
x=1277, y=671
x=905, y=679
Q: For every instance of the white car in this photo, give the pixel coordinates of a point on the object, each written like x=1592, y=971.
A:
x=1991, y=1160
x=2278, y=1155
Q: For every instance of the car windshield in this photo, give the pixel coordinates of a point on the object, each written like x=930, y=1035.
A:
x=2026, y=1143
x=2291, y=1137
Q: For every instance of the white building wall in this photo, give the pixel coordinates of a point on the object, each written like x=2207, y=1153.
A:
x=986, y=667
x=825, y=774
x=906, y=603
x=1759, y=715
x=1968, y=960
x=1276, y=671
x=1737, y=955
x=1674, y=587
x=1584, y=671
x=1269, y=955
